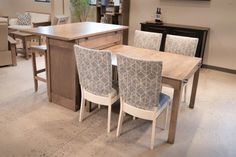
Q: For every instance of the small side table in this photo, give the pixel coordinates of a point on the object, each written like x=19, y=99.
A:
x=25, y=37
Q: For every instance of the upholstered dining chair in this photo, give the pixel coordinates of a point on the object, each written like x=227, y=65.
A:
x=7, y=57
x=140, y=91
x=147, y=40
x=95, y=77
x=181, y=45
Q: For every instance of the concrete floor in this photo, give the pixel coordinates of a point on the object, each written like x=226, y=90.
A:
x=30, y=126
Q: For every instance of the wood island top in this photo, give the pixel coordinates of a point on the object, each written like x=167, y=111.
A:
x=75, y=31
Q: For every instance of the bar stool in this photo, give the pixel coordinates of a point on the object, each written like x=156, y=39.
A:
x=41, y=50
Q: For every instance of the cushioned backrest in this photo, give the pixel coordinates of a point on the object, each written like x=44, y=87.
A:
x=139, y=82
x=181, y=45
x=147, y=40
x=3, y=36
x=39, y=17
x=95, y=70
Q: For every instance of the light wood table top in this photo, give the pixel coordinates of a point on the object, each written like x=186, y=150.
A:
x=178, y=67
x=75, y=31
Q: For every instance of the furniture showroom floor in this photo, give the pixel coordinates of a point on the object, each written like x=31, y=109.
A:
x=31, y=126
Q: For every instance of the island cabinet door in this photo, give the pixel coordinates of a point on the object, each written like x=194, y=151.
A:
x=101, y=41
x=63, y=84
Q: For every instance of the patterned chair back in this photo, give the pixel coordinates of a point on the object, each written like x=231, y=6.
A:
x=139, y=82
x=181, y=45
x=147, y=40
x=94, y=69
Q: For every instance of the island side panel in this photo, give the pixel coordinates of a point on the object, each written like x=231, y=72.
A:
x=64, y=86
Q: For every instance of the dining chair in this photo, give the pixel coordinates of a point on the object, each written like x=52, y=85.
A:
x=147, y=40
x=7, y=46
x=140, y=91
x=181, y=45
x=95, y=77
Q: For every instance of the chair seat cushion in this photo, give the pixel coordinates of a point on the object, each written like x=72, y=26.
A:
x=20, y=27
x=163, y=99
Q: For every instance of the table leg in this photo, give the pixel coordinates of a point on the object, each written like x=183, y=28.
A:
x=174, y=112
x=46, y=67
x=24, y=43
x=194, y=89
x=27, y=42
x=48, y=71
x=13, y=36
x=88, y=106
x=34, y=71
x=40, y=42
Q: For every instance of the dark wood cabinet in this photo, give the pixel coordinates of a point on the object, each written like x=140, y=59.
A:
x=182, y=30
x=119, y=18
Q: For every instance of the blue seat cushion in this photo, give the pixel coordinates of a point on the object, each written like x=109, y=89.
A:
x=163, y=99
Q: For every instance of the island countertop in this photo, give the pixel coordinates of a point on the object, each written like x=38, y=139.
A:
x=75, y=31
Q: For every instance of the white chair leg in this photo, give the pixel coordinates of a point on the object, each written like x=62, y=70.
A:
x=162, y=118
x=185, y=93
x=121, y=117
x=99, y=106
x=134, y=117
x=153, y=133
x=109, y=119
x=82, y=107
x=166, y=119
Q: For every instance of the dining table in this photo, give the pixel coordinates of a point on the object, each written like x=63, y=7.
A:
x=62, y=77
x=177, y=70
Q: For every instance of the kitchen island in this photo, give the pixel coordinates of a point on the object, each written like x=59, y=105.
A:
x=62, y=79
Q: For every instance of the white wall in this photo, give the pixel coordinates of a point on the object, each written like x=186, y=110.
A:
x=4, y=5
x=11, y=7
x=219, y=15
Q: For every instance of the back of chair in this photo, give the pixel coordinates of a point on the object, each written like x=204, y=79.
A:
x=94, y=69
x=3, y=36
x=147, y=40
x=139, y=82
x=181, y=45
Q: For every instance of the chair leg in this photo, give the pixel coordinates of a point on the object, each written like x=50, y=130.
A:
x=82, y=107
x=153, y=133
x=99, y=106
x=166, y=117
x=109, y=119
x=185, y=93
x=121, y=117
x=134, y=117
